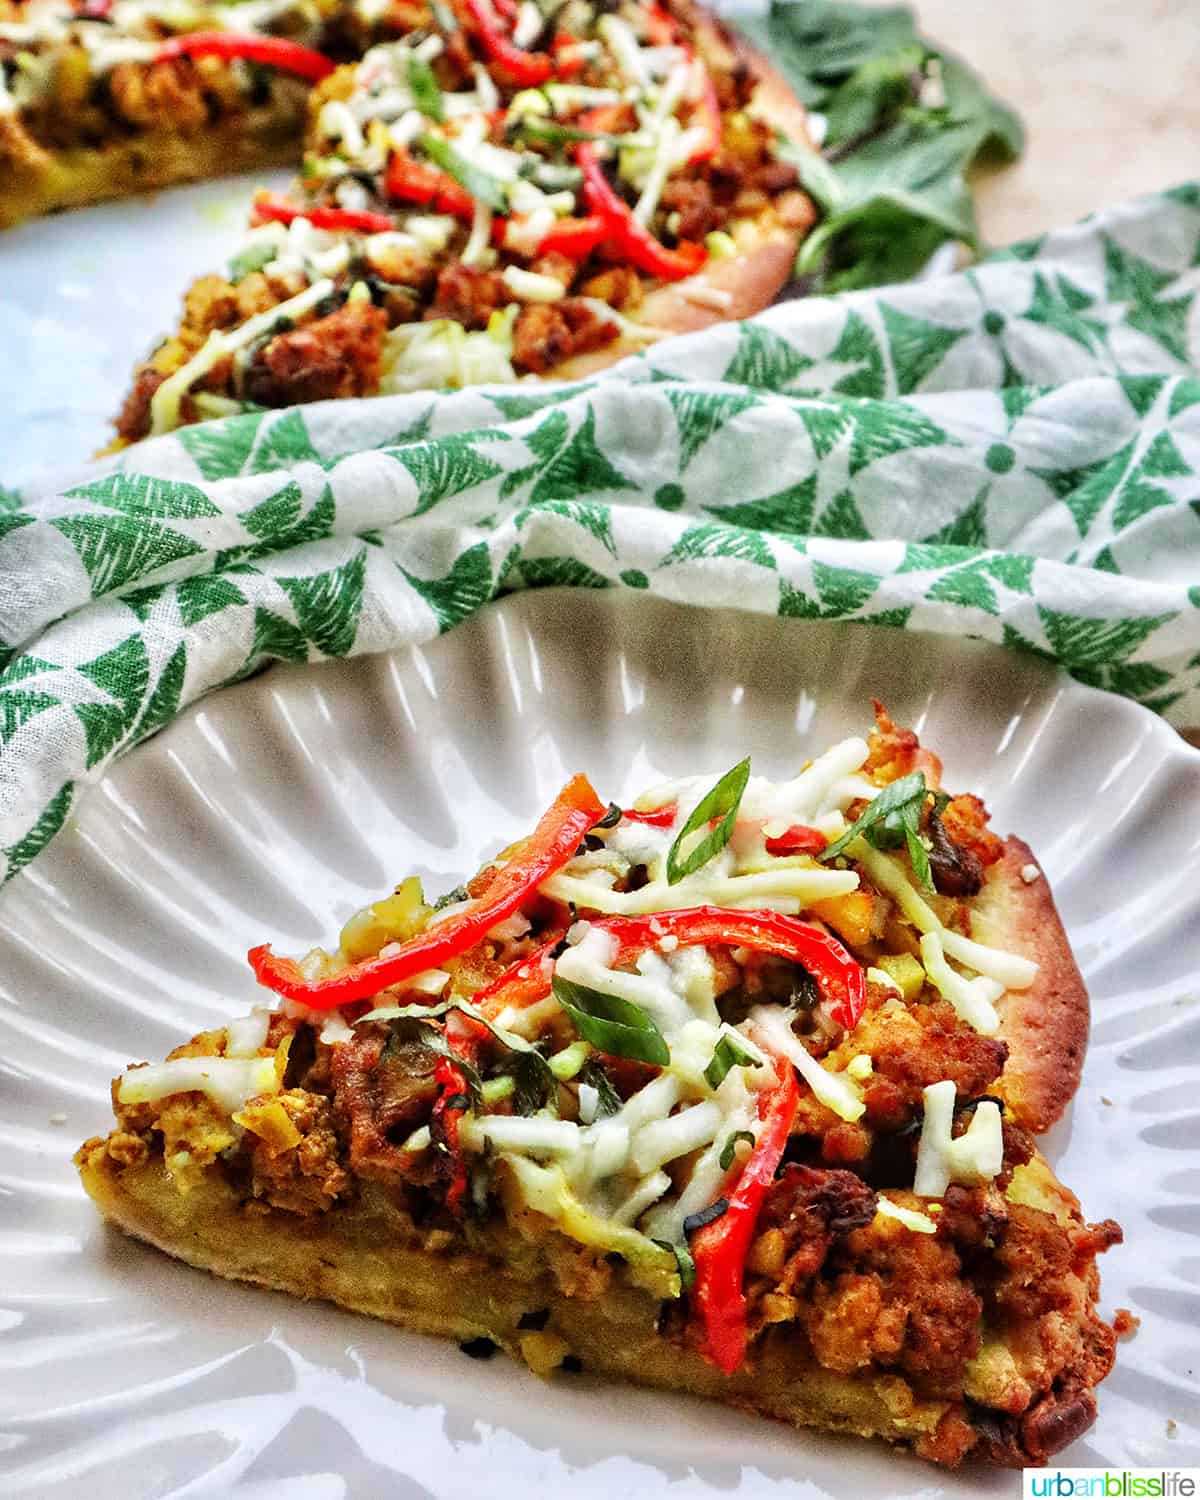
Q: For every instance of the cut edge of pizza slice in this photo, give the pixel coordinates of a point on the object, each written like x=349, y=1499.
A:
x=629, y=1099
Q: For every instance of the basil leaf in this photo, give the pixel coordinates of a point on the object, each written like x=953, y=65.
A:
x=908, y=789
x=683, y=1259
x=533, y=1071
x=726, y=798
x=411, y=1032
x=616, y=1026
x=874, y=91
x=480, y=184
x=899, y=186
x=252, y=258
x=729, y=1149
x=535, y=1086
x=426, y=91
x=609, y=1100
x=729, y=1053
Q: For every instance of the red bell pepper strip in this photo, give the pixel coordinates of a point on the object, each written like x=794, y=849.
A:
x=443, y=1127
x=523, y=984
x=412, y=181
x=568, y=60
x=552, y=843
x=657, y=817
x=798, y=839
x=629, y=238
x=507, y=9
x=276, y=51
x=720, y=1248
x=838, y=974
x=271, y=208
x=574, y=238
x=709, y=112
x=528, y=70
x=660, y=28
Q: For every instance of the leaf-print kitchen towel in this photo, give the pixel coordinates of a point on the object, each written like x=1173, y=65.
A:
x=1011, y=452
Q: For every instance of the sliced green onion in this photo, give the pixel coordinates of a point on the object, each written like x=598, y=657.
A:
x=252, y=258
x=683, y=1259
x=724, y=798
x=729, y=1149
x=425, y=89
x=616, y=1026
x=565, y=1064
x=730, y=1052
x=908, y=790
x=480, y=184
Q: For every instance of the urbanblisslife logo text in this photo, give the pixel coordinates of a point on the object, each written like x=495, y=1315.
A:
x=1111, y=1484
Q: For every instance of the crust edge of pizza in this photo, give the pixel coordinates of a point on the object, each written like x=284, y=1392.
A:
x=347, y=1257
x=1046, y=1026
x=77, y=177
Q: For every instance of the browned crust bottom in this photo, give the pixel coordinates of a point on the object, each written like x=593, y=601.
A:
x=150, y=160
x=357, y=1256
x=1045, y=1026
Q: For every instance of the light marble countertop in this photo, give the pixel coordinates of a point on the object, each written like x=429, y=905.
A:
x=1109, y=91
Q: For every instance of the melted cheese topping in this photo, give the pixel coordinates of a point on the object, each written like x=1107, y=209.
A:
x=230, y=1082
x=974, y=1158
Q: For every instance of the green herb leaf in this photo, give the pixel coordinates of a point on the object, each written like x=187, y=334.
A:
x=729, y=1149
x=893, y=797
x=451, y=898
x=724, y=798
x=609, y=1100
x=535, y=1085
x=730, y=1053
x=616, y=1026
x=426, y=92
x=898, y=189
x=531, y=1074
x=683, y=1259
x=252, y=258
x=480, y=184
x=874, y=92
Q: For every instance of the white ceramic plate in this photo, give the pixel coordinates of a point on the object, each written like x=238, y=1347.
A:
x=276, y=808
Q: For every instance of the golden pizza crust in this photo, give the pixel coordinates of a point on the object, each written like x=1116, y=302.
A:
x=149, y=160
x=1045, y=1026
x=366, y=1256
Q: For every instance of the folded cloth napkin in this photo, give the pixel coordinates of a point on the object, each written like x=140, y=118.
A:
x=1011, y=452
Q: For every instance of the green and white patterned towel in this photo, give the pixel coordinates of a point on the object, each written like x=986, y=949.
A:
x=1012, y=453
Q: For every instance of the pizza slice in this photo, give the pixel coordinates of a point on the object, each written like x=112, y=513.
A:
x=721, y=1093
x=505, y=192
x=102, y=98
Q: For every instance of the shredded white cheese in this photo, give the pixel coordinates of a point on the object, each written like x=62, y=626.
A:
x=835, y=1090
x=164, y=404
x=974, y=1158
x=228, y=1081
